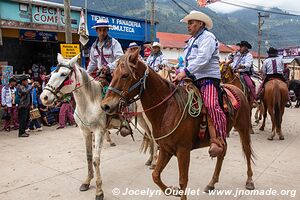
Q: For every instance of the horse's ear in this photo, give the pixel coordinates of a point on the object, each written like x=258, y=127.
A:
x=134, y=57
x=60, y=58
x=73, y=60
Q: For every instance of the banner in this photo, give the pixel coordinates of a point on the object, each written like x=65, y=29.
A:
x=82, y=30
x=69, y=50
x=31, y=35
x=7, y=72
x=289, y=52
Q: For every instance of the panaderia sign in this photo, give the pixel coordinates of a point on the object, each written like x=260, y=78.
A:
x=122, y=27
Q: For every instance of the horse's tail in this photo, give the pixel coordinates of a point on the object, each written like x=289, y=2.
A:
x=246, y=145
x=277, y=104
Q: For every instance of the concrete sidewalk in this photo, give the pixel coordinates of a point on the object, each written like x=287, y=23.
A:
x=51, y=165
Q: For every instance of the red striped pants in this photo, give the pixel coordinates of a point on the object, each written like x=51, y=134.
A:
x=209, y=95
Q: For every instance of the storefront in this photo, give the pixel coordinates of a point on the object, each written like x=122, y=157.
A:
x=32, y=33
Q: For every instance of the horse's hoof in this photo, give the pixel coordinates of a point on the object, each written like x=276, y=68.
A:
x=152, y=167
x=281, y=137
x=270, y=138
x=209, y=188
x=113, y=144
x=99, y=197
x=84, y=187
x=148, y=163
x=250, y=186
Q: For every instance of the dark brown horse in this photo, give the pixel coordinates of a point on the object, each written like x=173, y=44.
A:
x=274, y=100
x=175, y=131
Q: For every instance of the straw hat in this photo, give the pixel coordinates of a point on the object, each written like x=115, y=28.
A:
x=132, y=44
x=200, y=16
x=156, y=44
x=102, y=22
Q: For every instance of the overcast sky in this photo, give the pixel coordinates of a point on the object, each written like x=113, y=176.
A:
x=289, y=5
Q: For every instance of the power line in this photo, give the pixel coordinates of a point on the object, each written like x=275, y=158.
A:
x=257, y=9
x=180, y=7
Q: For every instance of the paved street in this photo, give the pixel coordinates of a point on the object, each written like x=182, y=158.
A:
x=51, y=165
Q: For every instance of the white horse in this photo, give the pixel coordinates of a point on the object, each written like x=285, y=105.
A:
x=92, y=121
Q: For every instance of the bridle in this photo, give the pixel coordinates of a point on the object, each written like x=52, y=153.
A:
x=141, y=83
x=67, y=81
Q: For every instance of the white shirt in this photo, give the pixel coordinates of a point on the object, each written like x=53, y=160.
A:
x=155, y=60
x=273, y=65
x=203, y=60
x=111, y=55
x=245, y=59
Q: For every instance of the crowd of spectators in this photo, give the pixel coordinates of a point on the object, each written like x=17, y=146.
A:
x=21, y=108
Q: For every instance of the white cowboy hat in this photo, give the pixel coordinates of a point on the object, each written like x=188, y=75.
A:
x=156, y=44
x=132, y=44
x=200, y=16
x=102, y=22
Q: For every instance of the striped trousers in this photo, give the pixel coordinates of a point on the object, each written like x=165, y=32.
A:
x=210, y=98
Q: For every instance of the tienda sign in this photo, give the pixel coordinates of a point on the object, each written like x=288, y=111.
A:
x=49, y=15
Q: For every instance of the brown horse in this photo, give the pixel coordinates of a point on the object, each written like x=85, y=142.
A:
x=274, y=100
x=229, y=77
x=164, y=104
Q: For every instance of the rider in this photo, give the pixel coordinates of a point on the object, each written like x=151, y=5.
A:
x=104, y=55
x=157, y=59
x=273, y=67
x=242, y=62
x=133, y=47
x=105, y=51
x=202, y=65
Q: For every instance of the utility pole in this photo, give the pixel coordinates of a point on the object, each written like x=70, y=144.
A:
x=152, y=20
x=260, y=23
x=68, y=29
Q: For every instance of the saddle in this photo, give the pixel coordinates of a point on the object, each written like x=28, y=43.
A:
x=231, y=103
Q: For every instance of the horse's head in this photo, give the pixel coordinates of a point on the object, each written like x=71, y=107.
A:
x=128, y=81
x=61, y=81
x=227, y=73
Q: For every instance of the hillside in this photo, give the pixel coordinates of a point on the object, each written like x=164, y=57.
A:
x=278, y=30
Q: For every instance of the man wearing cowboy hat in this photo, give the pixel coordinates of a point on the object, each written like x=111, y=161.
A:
x=133, y=47
x=273, y=67
x=242, y=62
x=202, y=65
x=105, y=51
x=157, y=59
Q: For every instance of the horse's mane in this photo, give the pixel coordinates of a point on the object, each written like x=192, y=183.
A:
x=181, y=94
x=92, y=87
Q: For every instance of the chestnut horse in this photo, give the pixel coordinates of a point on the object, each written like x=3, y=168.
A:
x=229, y=77
x=274, y=99
x=165, y=107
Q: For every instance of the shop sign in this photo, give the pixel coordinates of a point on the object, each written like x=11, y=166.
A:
x=7, y=72
x=69, y=50
x=31, y=35
x=122, y=28
x=52, y=16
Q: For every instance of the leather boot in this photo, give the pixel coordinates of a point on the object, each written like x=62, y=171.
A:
x=216, y=143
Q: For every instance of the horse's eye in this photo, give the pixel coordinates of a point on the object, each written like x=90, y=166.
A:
x=125, y=76
x=63, y=74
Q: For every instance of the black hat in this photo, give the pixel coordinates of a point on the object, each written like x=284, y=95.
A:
x=12, y=79
x=245, y=44
x=23, y=78
x=272, y=51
